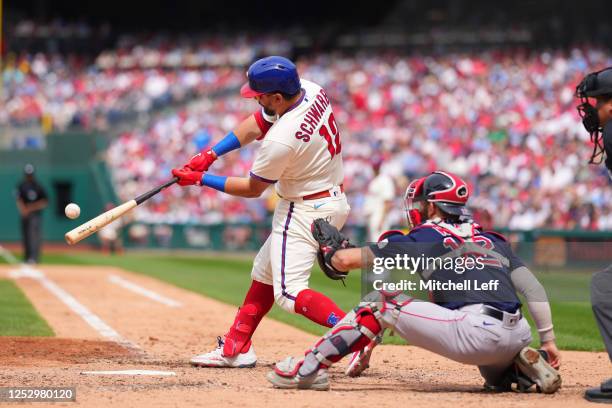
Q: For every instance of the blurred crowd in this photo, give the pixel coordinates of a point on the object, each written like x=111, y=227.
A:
x=506, y=121
x=142, y=158
x=55, y=36
x=58, y=92
x=29, y=29
x=139, y=73
x=194, y=51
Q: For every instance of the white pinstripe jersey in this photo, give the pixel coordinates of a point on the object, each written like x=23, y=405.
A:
x=302, y=151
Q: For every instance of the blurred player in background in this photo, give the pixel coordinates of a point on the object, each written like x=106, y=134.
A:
x=595, y=93
x=31, y=200
x=300, y=154
x=379, y=201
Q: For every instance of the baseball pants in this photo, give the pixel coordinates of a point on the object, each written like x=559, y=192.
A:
x=286, y=258
x=464, y=335
x=601, y=301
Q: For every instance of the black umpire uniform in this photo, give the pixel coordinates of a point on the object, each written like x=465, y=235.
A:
x=31, y=200
x=598, y=122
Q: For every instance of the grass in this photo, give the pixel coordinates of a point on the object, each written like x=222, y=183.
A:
x=17, y=315
x=227, y=280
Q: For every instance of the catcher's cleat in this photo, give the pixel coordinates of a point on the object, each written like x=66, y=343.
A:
x=497, y=388
x=360, y=360
x=286, y=376
x=216, y=358
x=535, y=369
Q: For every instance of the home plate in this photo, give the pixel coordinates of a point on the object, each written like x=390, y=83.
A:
x=131, y=372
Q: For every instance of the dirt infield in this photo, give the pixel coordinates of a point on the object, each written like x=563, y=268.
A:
x=164, y=337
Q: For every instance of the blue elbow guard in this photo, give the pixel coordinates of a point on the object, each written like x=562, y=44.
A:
x=227, y=144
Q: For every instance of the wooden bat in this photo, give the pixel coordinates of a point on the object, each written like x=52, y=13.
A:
x=95, y=224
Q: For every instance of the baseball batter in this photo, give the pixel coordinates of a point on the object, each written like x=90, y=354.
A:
x=482, y=327
x=301, y=155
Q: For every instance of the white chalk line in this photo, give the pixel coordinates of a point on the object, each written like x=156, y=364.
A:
x=126, y=284
x=131, y=372
x=8, y=256
x=83, y=312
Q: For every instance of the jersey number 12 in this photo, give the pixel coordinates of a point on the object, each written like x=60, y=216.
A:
x=332, y=136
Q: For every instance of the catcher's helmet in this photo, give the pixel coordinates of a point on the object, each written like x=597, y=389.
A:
x=447, y=191
x=271, y=75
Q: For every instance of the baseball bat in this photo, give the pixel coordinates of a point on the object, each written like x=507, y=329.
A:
x=95, y=224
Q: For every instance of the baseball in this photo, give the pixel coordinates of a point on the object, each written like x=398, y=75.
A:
x=72, y=211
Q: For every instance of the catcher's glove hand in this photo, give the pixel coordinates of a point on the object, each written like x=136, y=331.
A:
x=330, y=240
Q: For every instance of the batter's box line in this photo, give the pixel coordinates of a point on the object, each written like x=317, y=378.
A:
x=93, y=320
x=133, y=287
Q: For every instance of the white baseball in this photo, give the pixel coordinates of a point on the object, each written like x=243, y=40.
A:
x=72, y=211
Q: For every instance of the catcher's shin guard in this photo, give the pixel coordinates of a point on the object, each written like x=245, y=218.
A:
x=353, y=333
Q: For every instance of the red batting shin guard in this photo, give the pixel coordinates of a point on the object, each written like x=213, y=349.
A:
x=318, y=308
x=257, y=303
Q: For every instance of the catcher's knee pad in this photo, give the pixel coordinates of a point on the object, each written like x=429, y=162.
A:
x=389, y=304
x=353, y=333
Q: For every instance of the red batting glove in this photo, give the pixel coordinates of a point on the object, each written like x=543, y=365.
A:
x=188, y=177
x=202, y=161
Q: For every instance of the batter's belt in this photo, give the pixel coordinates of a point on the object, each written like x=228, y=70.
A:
x=322, y=194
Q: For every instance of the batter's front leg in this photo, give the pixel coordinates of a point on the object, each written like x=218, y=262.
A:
x=257, y=303
x=235, y=348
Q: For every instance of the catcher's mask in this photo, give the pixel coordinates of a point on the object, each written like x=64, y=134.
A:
x=447, y=191
x=594, y=84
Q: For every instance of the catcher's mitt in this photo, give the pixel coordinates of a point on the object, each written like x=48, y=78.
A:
x=330, y=240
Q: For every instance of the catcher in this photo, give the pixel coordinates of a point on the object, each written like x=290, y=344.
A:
x=479, y=327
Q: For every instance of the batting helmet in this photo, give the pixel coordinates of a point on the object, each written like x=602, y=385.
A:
x=447, y=191
x=270, y=75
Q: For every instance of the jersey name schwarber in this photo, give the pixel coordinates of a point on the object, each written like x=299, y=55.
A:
x=302, y=151
x=312, y=119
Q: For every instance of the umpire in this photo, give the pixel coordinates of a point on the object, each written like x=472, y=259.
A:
x=597, y=120
x=31, y=200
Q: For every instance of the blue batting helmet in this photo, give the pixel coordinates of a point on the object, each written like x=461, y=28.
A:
x=270, y=75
